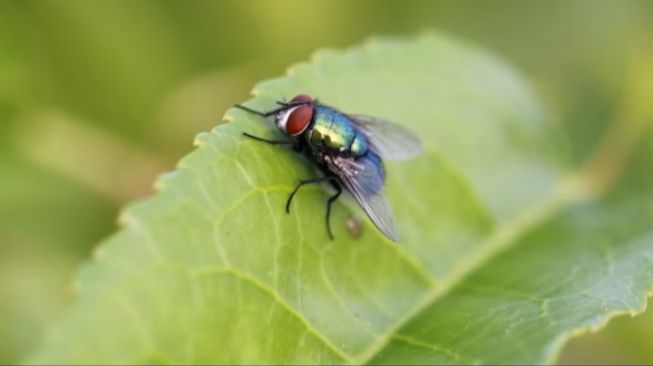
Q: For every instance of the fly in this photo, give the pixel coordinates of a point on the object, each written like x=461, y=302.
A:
x=348, y=149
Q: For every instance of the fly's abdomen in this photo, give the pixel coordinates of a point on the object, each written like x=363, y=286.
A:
x=333, y=132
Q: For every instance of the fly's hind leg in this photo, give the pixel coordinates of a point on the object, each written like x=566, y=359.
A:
x=332, y=199
x=334, y=183
x=301, y=184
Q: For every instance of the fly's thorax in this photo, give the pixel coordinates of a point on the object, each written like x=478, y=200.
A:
x=359, y=145
x=335, y=133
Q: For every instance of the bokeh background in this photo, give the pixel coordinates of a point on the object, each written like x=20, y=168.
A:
x=98, y=97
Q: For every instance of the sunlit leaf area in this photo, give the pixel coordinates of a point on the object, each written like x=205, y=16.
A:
x=139, y=226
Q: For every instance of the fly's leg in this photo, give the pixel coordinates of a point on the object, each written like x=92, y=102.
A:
x=259, y=113
x=332, y=199
x=283, y=106
x=271, y=142
x=287, y=105
x=329, y=202
x=303, y=183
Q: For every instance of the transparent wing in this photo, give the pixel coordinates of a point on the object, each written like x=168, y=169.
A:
x=389, y=140
x=363, y=178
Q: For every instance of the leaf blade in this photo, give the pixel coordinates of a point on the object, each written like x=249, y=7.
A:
x=214, y=258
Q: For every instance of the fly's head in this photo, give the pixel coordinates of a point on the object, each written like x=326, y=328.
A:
x=296, y=116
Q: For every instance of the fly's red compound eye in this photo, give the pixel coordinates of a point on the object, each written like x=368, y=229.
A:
x=294, y=120
x=298, y=119
x=302, y=98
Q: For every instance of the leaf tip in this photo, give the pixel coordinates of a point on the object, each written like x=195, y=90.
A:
x=125, y=219
x=158, y=186
x=318, y=56
x=200, y=138
x=98, y=253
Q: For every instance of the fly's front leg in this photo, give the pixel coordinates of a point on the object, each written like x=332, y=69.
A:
x=259, y=113
x=271, y=142
x=295, y=144
x=283, y=106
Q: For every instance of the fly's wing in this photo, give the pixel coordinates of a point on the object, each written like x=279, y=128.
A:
x=389, y=140
x=363, y=178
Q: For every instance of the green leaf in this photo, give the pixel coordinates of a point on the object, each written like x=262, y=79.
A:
x=504, y=251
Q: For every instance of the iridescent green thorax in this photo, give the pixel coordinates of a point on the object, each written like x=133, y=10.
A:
x=334, y=132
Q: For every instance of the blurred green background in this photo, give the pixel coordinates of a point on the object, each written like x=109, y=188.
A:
x=97, y=98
